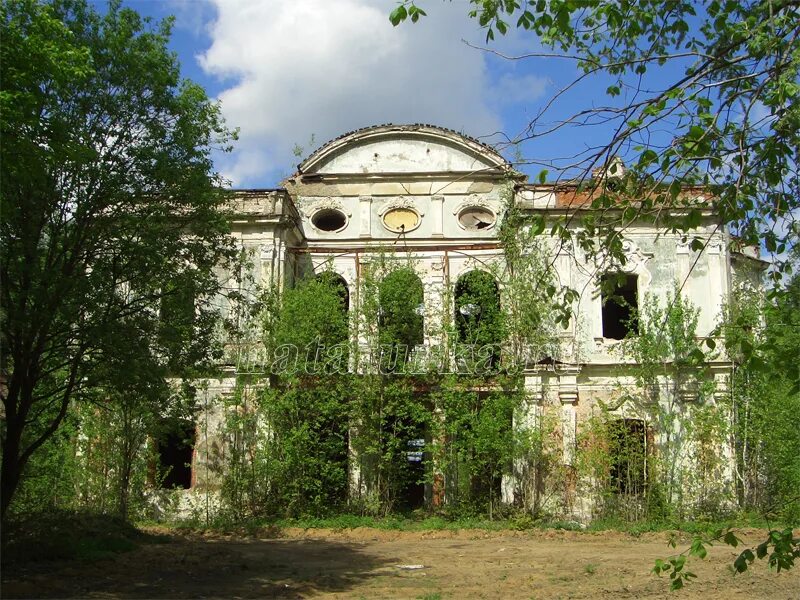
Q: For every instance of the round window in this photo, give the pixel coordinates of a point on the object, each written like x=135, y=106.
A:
x=329, y=219
x=476, y=218
x=400, y=220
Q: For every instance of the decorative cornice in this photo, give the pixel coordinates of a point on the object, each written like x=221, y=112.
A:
x=323, y=204
x=635, y=259
x=400, y=202
x=478, y=201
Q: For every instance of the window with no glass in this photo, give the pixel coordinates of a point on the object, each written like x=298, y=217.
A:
x=175, y=449
x=620, y=305
x=476, y=218
x=329, y=219
x=628, y=446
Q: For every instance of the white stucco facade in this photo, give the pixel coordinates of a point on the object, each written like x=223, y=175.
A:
x=437, y=174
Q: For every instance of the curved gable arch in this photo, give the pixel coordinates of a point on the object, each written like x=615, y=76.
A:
x=403, y=149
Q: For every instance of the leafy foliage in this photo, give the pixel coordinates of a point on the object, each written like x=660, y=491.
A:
x=382, y=433
x=698, y=94
x=109, y=205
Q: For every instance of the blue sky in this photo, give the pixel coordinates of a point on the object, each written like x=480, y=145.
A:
x=300, y=72
x=287, y=70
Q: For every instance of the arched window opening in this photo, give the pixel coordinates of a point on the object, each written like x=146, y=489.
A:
x=337, y=283
x=478, y=319
x=310, y=329
x=400, y=317
x=628, y=450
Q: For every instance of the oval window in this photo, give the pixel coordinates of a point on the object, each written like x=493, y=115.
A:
x=476, y=218
x=329, y=219
x=400, y=220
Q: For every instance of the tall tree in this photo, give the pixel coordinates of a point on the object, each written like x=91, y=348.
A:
x=108, y=200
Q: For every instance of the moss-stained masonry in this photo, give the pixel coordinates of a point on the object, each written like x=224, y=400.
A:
x=559, y=418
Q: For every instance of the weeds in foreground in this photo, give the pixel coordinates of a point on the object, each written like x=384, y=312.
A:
x=422, y=522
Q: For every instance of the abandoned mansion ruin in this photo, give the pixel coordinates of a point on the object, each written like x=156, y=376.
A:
x=431, y=203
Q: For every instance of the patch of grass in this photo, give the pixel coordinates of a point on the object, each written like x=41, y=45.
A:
x=590, y=569
x=431, y=596
x=62, y=535
x=698, y=526
x=419, y=521
x=393, y=523
x=103, y=547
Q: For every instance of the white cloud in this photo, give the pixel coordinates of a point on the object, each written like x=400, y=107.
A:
x=523, y=89
x=325, y=67
x=191, y=15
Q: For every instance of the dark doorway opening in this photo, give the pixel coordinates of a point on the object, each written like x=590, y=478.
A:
x=620, y=305
x=175, y=449
x=412, y=495
x=628, y=441
x=405, y=439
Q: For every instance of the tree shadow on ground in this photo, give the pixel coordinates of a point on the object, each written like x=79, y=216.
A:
x=197, y=567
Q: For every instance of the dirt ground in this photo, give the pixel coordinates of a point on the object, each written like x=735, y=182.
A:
x=368, y=563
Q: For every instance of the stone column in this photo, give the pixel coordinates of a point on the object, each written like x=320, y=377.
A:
x=356, y=482
x=365, y=216
x=438, y=493
x=434, y=285
x=727, y=449
x=716, y=281
x=568, y=395
x=437, y=212
x=519, y=485
x=268, y=257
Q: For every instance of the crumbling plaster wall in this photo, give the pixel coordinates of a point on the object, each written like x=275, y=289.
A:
x=438, y=180
x=402, y=154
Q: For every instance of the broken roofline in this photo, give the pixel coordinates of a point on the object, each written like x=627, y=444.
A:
x=581, y=195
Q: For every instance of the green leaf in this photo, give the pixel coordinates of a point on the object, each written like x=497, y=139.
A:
x=648, y=156
x=762, y=549
x=659, y=566
x=415, y=13
x=698, y=549
x=740, y=564
x=398, y=15
x=731, y=539
x=537, y=225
